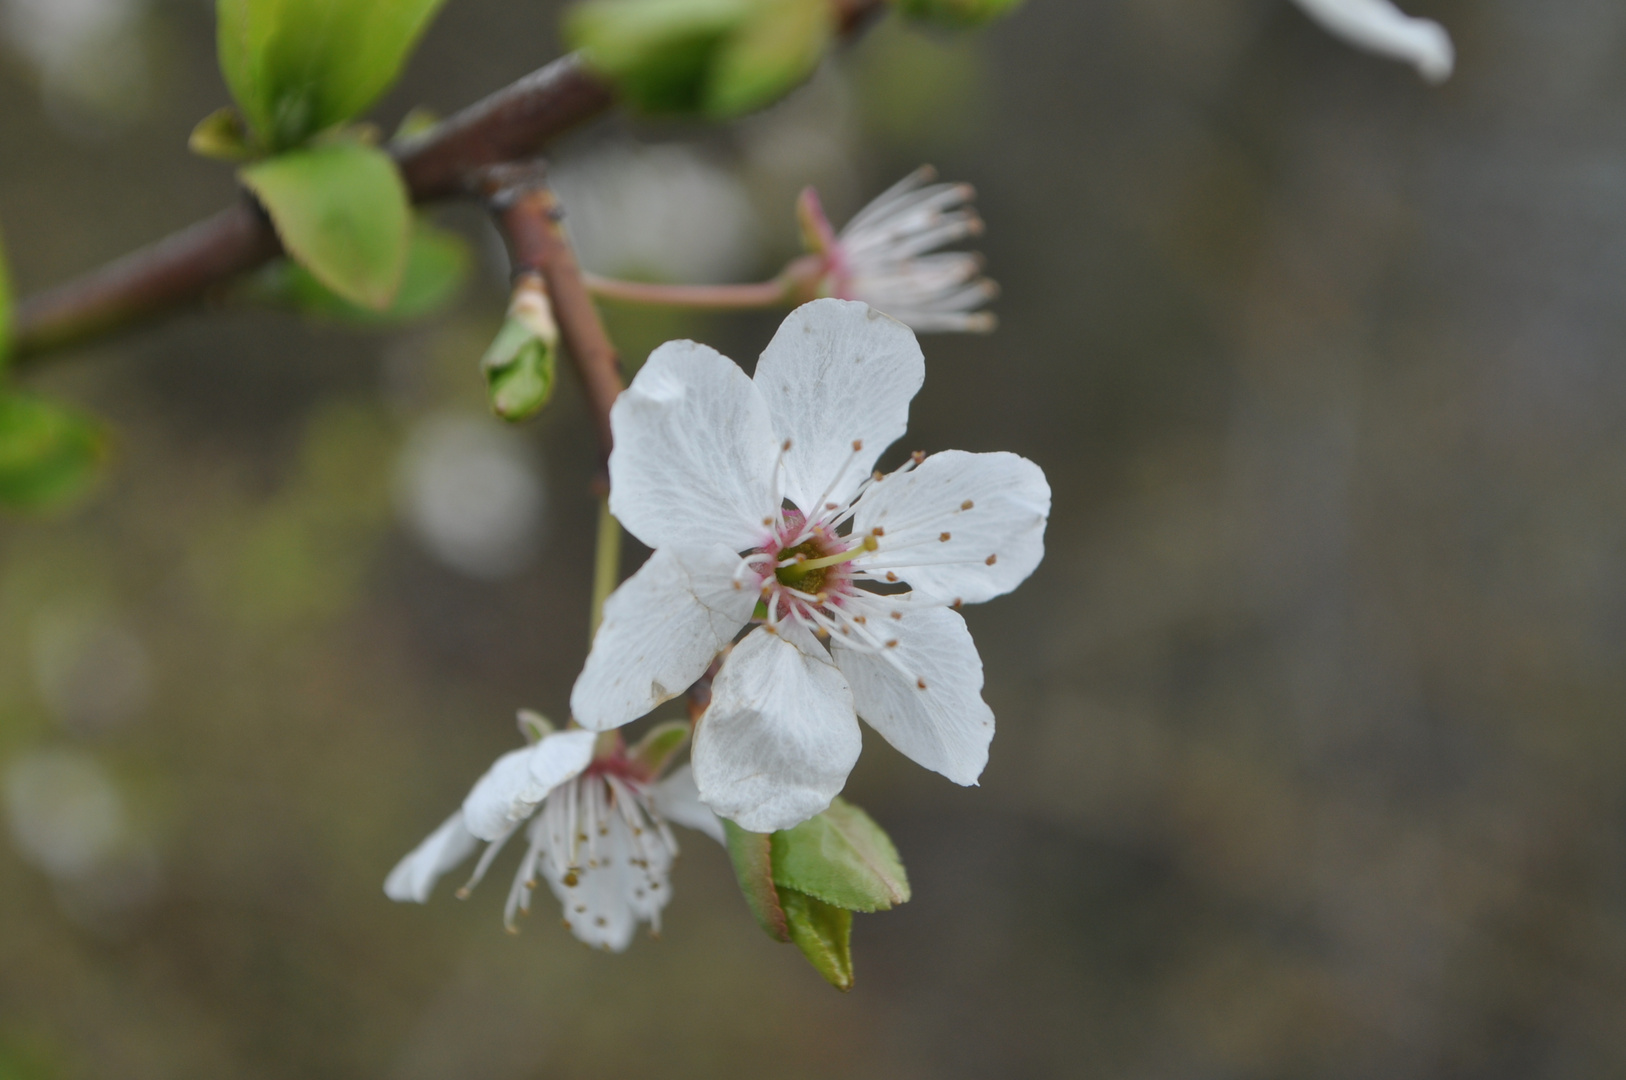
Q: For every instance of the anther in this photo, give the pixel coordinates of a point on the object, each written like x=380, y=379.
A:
x=918, y=456
x=767, y=521
x=890, y=576
x=992, y=559
x=943, y=537
x=921, y=683
x=860, y=619
x=877, y=476
x=898, y=615
x=832, y=506
x=967, y=505
x=786, y=447
x=958, y=604
x=893, y=644
x=877, y=531
x=858, y=444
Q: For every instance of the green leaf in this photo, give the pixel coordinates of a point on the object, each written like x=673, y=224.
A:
x=437, y=266
x=957, y=13
x=341, y=211
x=48, y=454
x=841, y=857
x=718, y=58
x=297, y=67
x=655, y=750
x=520, y=385
x=753, y=866
x=769, y=55
x=222, y=136
x=5, y=306
x=824, y=934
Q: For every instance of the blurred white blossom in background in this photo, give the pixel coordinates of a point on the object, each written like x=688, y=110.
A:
x=1380, y=27
x=92, y=672
x=471, y=493
x=92, y=65
x=63, y=810
x=664, y=213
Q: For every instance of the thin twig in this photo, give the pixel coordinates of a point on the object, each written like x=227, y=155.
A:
x=514, y=123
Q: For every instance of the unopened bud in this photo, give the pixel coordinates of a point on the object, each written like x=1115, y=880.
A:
x=520, y=363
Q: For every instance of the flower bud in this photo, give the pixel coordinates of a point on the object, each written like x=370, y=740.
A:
x=520, y=363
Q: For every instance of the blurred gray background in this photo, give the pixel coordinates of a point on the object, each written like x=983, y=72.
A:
x=1311, y=760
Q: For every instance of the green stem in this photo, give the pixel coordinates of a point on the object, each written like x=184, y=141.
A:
x=764, y=294
x=606, y=564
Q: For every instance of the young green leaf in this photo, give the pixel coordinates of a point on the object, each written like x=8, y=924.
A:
x=772, y=52
x=342, y=213
x=841, y=857
x=437, y=266
x=222, y=136
x=750, y=853
x=297, y=67
x=48, y=454
x=824, y=934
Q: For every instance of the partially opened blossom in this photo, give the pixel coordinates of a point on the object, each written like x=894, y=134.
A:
x=887, y=254
x=600, y=840
x=758, y=498
x=1380, y=27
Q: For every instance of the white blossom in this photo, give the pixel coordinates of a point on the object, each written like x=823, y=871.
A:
x=601, y=839
x=886, y=255
x=1380, y=27
x=758, y=498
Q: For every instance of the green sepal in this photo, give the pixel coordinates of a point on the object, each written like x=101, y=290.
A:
x=961, y=14
x=48, y=454
x=438, y=263
x=717, y=58
x=297, y=67
x=841, y=857
x=520, y=370
x=341, y=211
x=534, y=726
x=824, y=934
x=660, y=744
x=751, y=854
x=223, y=136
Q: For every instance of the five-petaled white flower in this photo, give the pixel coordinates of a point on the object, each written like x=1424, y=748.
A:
x=886, y=257
x=1380, y=27
x=601, y=841
x=758, y=499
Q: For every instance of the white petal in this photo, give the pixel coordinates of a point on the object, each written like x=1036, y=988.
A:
x=780, y=737
x=661, y=629
x=414, y=877
x=677, y=799
x=612, y=889
x=959, y=527
x=695, y=455
x=837, y=373
x=1378, y=26
x=561, y=756
x=925, y=694
x=506, y=794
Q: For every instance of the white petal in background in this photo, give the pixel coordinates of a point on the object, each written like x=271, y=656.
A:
x=661, y=629
x=780, y=737
x=695, y=456
x=414, y=877
x=472, y=494
x=945, y=725
x=959, y=527
x=1380, y=27
x=65, y=813
x=677, y=799
x=838, y=371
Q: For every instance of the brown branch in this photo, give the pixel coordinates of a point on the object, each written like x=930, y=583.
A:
x=529, y=214
x=512, y=124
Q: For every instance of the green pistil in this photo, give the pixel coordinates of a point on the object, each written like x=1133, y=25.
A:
x=808, y=574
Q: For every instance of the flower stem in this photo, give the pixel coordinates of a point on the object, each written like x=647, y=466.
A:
x=763, y=294
x=606, y=564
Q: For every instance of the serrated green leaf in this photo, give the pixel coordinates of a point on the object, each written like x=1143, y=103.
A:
x=772, y=52
x=48, y=454
x=961, y=14
x=437, y=267
x=843, y=858
x=297, y=67
x=342, y=213
x=222, y=136
x=753, y=866
x=655, y=750
x=824, y=934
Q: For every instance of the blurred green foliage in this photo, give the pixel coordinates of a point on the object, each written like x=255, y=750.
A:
x=437, y=267
x=298, y=67
x=342, y=211
x=713, y=58
x=957, y=13
x=5, y=306
x=49, y=454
